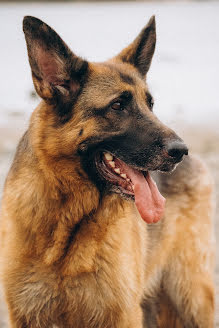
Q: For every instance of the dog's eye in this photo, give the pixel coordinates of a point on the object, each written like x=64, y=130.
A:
x=117, y=106
x=150, y=101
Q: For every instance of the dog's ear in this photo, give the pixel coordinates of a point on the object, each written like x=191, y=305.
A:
x=56, y=71
x=140, y=52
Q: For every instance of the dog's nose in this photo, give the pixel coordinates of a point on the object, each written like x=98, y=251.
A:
x=176, y=149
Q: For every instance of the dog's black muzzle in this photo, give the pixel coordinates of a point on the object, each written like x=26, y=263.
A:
x=176, y=149
x=145, y=145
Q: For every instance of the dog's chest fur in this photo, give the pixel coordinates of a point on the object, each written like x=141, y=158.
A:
x=98, y=275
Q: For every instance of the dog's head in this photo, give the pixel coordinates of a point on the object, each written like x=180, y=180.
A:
x=101, y=113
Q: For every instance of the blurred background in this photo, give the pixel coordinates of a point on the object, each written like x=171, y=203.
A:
x=184, y=76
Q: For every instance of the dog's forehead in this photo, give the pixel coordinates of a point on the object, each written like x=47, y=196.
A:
x=118, y=72
x=108, y=80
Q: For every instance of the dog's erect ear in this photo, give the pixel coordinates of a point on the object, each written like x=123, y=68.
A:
x=56, y=71
x=140, y=52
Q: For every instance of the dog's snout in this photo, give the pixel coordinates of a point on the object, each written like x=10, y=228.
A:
x=176, y=149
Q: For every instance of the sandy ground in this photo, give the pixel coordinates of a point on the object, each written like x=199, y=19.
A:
x=202, y=140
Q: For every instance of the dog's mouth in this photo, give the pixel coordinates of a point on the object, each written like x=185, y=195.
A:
x=132, y=183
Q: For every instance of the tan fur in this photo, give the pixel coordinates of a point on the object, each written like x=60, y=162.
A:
x=186, y=253
x=73, y=259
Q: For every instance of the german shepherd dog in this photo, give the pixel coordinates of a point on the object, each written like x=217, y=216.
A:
x=82, y=240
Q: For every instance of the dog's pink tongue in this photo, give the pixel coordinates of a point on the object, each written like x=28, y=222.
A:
x=149, y=202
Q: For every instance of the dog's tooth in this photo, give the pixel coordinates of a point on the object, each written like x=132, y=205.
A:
x=108, y=156
x=112, y=163
x=123, y=175
x=117, y=171
x=128, y=180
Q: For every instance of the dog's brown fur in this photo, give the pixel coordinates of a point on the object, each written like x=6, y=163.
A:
x=73, y=256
